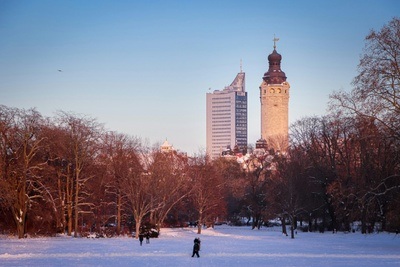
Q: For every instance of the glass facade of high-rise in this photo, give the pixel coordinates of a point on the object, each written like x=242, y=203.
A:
x=241, y=119
x=227, y=118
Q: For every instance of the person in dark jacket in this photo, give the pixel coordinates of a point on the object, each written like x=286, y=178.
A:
x=196, y=247
x=197, y=240
x=141, y=239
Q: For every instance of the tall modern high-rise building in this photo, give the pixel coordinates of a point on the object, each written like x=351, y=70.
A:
x=227, y=118
x=274, y=97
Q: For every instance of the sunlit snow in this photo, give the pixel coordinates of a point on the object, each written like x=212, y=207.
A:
x=222, y=246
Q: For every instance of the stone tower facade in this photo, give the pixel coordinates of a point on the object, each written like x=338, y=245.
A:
x=274, y=97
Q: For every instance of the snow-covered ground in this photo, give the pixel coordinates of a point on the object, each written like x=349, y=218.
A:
x=222, y=246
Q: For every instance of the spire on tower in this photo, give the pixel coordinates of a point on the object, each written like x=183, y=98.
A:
x=275, y=40
x=241, y=66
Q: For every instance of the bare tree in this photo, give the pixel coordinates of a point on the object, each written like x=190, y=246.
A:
x=119, y=155
x=373, y=102
x=288, y=187
x=82, y=142
x=58, y=173
x=255, y=198
x=325, y=144
x=376, y=92
x=234, y=179
x=170, y=183
x=207, y=192
x=366, y=183
x=21, y=142
x=137, y=185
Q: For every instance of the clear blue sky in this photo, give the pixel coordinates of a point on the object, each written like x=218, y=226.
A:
x=143, y=67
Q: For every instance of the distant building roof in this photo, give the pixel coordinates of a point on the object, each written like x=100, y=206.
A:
x=166, y=147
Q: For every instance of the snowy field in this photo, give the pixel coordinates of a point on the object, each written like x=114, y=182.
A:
x=222, y=246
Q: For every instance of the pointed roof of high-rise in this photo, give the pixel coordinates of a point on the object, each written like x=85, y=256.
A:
x=238, y=83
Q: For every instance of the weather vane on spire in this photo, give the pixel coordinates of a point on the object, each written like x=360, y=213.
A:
x=275, y=40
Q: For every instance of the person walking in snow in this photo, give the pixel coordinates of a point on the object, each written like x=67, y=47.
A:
x=141, y=239
x=147, y=238
x=196, y=247
x=197, y=240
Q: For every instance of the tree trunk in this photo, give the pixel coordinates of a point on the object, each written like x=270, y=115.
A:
x=61, y=222
x=21, y=230
x=255, y=222
x=119, y=203
x=138, y=225
x=283, y=226
x=76, y=204
x=292, y=227
x=333, y=217
x=383, y=223
x=21, y=209
x=159, y=224
x=20, y=219
x=199, y=223
x=69, y=187
x=315, y=224
x=363, y=222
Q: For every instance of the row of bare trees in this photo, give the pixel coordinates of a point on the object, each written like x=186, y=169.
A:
x=369, y=132
x=66, y=174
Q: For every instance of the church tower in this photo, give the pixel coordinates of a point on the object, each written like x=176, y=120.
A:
x=274, y=97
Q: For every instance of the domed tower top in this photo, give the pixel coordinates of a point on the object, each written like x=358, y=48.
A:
x=274, y=75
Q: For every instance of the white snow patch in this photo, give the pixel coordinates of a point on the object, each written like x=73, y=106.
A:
x=222, y=246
